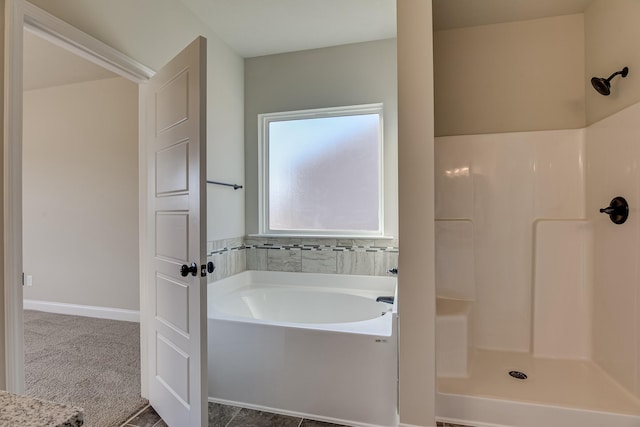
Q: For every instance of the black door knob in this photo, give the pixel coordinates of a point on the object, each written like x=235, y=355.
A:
x=207, y=268
x=185, y=269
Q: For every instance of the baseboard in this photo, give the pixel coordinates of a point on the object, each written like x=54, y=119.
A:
x=293, y=413
x=459, y=422
x=83, y=310
x=503, y=413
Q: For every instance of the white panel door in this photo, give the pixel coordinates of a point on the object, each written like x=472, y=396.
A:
x=175, y=134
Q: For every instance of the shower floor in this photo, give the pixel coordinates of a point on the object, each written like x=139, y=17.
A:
x=555, y=383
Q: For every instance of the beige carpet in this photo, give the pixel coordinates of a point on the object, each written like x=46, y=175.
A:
x=85, y=362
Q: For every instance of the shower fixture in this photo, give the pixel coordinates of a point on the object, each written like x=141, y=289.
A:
x=618, y=210
x=603, y=86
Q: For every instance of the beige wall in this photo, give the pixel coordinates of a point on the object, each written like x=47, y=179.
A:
x=360, y=73
x=2, y=310
x=80, y=194
x=518, y=76
x=612, y=35
x=535, y=75
x=416, y=279
x=152, y=32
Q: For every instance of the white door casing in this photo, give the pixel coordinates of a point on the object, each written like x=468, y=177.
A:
x=21, y=15
x=175, y=132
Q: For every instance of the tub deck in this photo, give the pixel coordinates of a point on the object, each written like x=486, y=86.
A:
x=315, y=301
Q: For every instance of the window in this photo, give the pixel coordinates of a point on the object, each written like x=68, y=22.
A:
x=321, y=172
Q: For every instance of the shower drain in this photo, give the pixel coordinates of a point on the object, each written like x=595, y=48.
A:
x=518, y=375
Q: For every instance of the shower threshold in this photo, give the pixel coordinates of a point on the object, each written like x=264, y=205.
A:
x=556, y=393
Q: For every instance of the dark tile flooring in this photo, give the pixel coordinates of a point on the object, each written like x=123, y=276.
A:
x=231, y=416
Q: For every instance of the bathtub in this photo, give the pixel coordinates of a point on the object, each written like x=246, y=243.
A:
x=311, y=345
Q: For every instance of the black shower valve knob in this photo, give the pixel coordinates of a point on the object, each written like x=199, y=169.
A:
x=618, y=210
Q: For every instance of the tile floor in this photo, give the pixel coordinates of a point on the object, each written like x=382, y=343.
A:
x=231, y=416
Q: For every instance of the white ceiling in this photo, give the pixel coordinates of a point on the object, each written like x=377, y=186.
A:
x=264, y=27
x=47, y=65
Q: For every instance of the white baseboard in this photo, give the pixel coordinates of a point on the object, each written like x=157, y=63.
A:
x=83, y=310
x=293, y=413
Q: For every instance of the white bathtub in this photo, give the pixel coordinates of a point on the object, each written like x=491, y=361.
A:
x=312, y=345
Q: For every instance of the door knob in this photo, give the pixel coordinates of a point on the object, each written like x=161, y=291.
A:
x=185, y=269
x=207, y=268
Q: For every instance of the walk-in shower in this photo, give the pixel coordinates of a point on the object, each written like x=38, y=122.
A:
x=537, y=310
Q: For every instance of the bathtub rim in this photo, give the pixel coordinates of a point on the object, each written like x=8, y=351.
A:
x=379, y=326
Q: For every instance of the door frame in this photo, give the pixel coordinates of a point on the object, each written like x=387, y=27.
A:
x=21, y=15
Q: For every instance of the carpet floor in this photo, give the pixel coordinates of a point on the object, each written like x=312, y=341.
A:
x=85, y=362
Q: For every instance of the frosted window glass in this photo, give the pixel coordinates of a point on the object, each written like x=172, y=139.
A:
x=324, y=173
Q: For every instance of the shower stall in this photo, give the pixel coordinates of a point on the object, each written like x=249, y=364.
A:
x=538, y=285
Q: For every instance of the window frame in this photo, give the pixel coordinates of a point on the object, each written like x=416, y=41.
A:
x=263, y=168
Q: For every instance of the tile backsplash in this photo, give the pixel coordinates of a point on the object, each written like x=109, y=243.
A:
x=318, y=255
x=228, y=255
x=322, y=255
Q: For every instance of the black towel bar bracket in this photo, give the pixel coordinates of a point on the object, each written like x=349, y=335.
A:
x=235, y=186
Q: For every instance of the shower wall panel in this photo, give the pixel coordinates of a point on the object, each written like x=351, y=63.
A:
x=613, y=153
x=562, y=291
x=455, y=260
x=503, y=183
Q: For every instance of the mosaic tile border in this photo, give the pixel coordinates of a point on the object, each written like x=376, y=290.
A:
x=314, y=247
x=319, y=247
x=445, y=424
x=373, y=257
x=227, y=250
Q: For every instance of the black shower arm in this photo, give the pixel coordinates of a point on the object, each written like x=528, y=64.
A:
x=613, y=75
x=622, y=72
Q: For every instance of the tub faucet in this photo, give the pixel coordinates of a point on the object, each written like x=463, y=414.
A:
x=393, y=270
